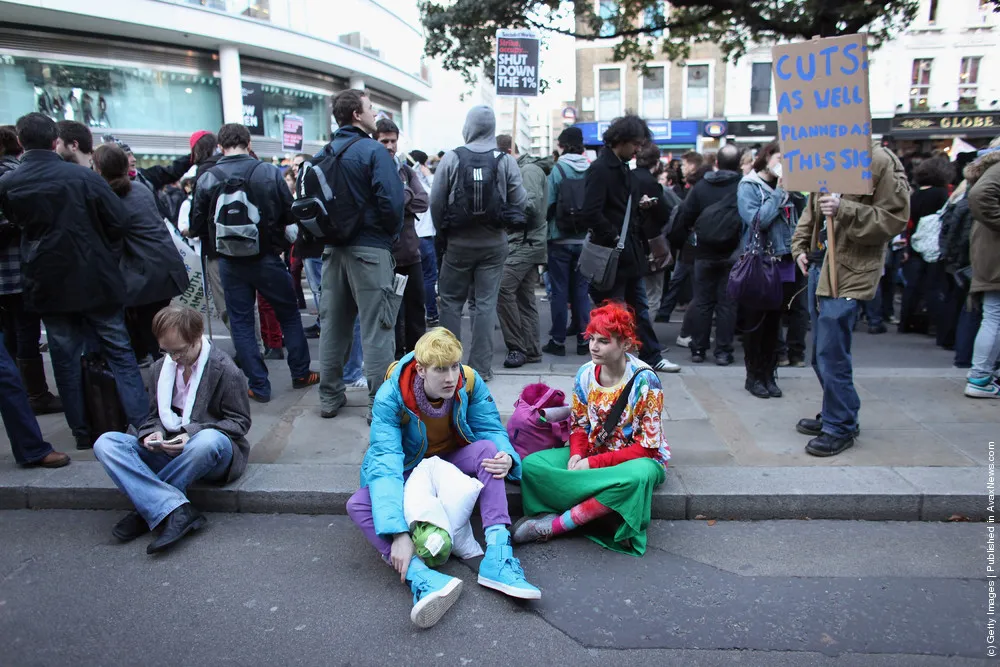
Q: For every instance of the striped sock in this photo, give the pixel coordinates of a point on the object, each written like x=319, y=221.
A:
x=578, y=515
x=563, y=523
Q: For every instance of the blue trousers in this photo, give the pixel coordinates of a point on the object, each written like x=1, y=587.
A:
x=841, y=403
x=18, y=420
x=429, y=265
x=568, y=287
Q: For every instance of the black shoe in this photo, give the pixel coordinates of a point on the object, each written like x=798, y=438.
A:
x=772, y=387
x=661, y=318
x=84, y=442
x=312, y=332
x=796, y=362
x=697, y=357
x=515, y=359
x=757, y=388
x=274, y=354
x=176, y=525
x=724, y=359
x=880, y=329
x=811, y=427
x=555, y=348
x=827, y=445
x=583, y=349
x=130, y=527
x=533, y=359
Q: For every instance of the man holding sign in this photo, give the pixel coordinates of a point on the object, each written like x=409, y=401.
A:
x=859, y=201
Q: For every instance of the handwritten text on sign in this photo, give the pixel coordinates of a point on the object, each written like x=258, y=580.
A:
x=824, y=118
x=517, y=63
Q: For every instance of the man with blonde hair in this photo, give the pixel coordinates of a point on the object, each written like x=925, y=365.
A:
x=431, y=405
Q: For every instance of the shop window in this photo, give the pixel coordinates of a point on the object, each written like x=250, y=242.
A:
x=697, y=102
x=609, y=103
x=760, y=89
x=654, y=94
x=104, y=96
x=920, y=84
x=968, y=83
x=275, y=102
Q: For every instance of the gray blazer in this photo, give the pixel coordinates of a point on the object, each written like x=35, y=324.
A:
x=221, y=403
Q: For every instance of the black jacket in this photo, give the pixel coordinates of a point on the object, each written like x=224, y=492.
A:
x=8, y=230
x=152, y=267
x=157, y=177
x=609, y=185
x=376, y=191
x=653, y=219
x=716, y=186
x=956, y=227
x=267, y=191
x=72, y=226
x=406, y=250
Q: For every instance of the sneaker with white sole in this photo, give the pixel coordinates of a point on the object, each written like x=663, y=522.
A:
x=683, y=341
x=433, y=594
x=666, y=366
x=533, y=529
x=502, y=572
x=360, y=383
x=982, y=388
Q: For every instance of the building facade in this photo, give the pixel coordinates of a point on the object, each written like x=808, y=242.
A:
x=153, y=71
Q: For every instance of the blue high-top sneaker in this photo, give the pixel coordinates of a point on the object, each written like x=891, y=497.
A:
x=986, y=387
x=433, y=593
x=500, y=570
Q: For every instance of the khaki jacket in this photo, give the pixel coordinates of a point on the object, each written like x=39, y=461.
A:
x=864, y=225
x=983, y=177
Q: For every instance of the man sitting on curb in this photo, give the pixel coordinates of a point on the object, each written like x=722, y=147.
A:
x=431, y=405
x=197, y=425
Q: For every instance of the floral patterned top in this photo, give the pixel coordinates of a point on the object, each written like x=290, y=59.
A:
x=640, y=422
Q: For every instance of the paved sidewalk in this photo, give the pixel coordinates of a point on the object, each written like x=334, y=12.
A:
x=922, y=453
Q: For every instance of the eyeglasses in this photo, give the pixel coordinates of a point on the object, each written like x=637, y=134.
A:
x=176, y=354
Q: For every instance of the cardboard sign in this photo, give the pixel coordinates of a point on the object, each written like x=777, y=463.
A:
x=517, y=63
x=292, y=133
x=824, y=116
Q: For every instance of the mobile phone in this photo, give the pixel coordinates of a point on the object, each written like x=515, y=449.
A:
x=173, y=441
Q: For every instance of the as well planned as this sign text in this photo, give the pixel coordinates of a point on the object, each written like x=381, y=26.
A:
x=824, y=116
x=517, y=63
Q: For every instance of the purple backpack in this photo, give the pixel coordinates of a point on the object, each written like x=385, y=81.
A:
x=533, y=427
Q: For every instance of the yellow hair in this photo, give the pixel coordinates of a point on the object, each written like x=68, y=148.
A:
x=438, y=348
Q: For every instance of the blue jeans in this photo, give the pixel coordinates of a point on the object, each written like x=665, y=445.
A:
x=18, y=419
x=568, y=286
x=241, y=281
x=429, y=264
x=70, y=335
x=841, y=403
x=965, y=335
x=987, y=349
x=155, y=482
x=353, y=370
x=873, y=308
x=313, y=267
x=680, y=279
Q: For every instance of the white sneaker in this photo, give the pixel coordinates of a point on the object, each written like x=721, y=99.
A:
x=683, y=341
x=360, y=383
x=665, y=366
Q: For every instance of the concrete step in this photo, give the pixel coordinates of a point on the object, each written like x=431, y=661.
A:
x=748, y=493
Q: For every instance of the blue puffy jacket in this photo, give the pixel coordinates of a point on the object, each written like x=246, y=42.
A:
x=398, y=438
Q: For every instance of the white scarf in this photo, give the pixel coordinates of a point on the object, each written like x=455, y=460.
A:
x=165, y=390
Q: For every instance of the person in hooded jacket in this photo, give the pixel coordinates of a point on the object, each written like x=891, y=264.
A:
x=610, y=187
x=569, y=286
x=474, y=254
x=151, y=266
x=517, y=306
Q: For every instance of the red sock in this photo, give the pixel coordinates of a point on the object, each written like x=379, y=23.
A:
x=578, y=515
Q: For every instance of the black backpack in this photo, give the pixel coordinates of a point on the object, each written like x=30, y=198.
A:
x=477, y=202
x=719, y=226
x=569, y=204
x=315, y=206
x=236, y=218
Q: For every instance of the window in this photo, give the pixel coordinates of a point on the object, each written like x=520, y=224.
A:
x=968, y=83
x=920, y=84
x=932, y=14
x=760, y=89
x=654, y=93
x=607, y=10
x=698, y=101
x=609, y=93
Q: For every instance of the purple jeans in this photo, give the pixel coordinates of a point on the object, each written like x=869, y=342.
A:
x=492, y=499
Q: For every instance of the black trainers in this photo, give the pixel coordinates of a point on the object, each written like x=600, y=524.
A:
x=312, y=332
x=724, y=359
x=697, y=357
x=583, y=349
x=555, y=348
x=515, y=359
x=827, y=445
x=877, y=329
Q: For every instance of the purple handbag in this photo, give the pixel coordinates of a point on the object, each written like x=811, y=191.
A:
x=755, y=281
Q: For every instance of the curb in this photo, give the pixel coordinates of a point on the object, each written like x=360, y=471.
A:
x=694, y=492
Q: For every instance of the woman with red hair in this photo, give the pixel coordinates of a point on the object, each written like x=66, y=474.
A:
x=605, y=473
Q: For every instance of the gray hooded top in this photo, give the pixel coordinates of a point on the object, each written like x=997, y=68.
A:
x=480, y=136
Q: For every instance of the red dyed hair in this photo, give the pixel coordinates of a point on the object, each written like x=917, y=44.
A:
x=615, y=320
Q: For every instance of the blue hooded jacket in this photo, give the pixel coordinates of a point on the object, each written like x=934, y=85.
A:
x=398, y=440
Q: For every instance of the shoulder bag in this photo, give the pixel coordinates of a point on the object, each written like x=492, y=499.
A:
x=615, y=414
x=599, y=264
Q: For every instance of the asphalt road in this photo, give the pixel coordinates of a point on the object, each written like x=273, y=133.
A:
x=307, y=590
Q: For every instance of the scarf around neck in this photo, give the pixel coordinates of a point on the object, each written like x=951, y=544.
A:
x=424, y=403
x=165, y=390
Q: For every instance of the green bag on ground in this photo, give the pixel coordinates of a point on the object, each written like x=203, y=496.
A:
x=627, y=488
x=432, y=543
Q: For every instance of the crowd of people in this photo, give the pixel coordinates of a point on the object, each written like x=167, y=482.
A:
x=396, y=248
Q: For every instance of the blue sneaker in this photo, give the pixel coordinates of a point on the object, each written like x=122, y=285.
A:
x=502, y=572
x=433, y=594
x=982, y=388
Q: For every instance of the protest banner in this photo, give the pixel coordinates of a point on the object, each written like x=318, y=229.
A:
x=292, y=132
x=516, y=72
x=824, y=120
x=824, y=116
x=194, y=296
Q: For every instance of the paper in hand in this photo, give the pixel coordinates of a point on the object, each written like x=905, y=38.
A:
x=399, y=284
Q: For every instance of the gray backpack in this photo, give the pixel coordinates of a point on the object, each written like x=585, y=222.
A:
x=237, y=219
